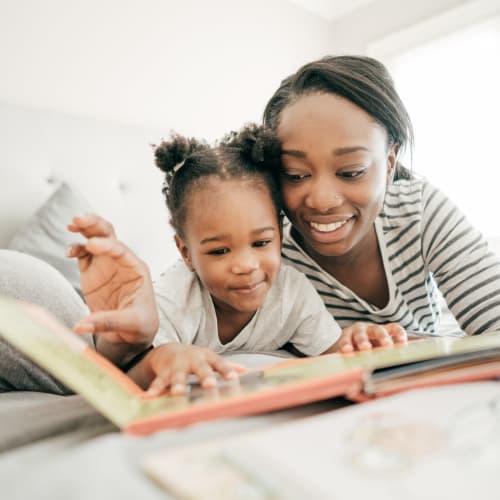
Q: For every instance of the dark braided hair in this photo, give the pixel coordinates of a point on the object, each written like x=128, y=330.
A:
x=252, y=154
x=363, y=81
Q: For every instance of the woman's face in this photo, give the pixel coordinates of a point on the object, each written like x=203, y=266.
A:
x=336, y=166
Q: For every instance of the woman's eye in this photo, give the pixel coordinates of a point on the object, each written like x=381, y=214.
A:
x=261, y=243
x=294, y=177
x=352, y=174
x=218, y=251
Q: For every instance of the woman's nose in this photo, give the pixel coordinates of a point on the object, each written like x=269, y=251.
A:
x=324, y=195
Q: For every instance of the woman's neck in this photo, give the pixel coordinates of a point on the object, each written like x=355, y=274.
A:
x=361, y=269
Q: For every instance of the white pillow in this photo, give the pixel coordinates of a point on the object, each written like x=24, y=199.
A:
x=46, y=236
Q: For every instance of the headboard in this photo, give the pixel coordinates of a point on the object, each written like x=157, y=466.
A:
x=110, y=164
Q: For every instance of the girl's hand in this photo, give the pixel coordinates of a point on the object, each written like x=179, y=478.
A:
x=169, y=365
x=363, y=336
x=117, y=288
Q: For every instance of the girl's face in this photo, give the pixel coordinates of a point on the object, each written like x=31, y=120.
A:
x=233, y=242
x=336, y=167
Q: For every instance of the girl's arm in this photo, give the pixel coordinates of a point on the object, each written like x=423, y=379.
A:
x=117, y=288
x=169, y=365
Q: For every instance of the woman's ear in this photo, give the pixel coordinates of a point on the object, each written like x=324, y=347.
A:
x=184, y=251
x=392, y=162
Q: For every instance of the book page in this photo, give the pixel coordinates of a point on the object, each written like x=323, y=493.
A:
x=434, y=443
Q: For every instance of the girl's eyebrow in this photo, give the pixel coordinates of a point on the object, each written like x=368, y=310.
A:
x=222, y=237
x=293, y=152
x=263, y=230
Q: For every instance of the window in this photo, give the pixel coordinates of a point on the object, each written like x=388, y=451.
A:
x=451, y=87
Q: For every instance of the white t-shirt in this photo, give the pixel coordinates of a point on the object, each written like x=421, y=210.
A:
x=292, y=312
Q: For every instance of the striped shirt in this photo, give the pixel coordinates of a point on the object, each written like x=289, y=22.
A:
x=426, y=244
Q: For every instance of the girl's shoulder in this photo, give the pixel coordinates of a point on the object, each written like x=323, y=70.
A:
x=178, y=285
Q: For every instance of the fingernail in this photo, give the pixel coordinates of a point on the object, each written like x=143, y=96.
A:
x=231, y=375
x=209, y=382
x=84, y=328
x=178, y=389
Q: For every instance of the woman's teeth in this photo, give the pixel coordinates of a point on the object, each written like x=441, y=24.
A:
x=327, y=228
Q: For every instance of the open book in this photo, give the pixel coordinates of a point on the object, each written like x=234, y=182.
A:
x=357, y=376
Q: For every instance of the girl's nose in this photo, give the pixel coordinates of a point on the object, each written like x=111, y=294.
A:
x=245, y=262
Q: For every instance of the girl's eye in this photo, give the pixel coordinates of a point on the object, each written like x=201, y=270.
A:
x=352, y=174
x=294, y=177
x=261, y=243
x=219, y=251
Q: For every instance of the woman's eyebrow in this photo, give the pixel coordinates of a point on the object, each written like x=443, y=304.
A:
x=336, y=152
x=348, y=150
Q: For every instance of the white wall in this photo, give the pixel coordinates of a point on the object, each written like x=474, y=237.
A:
x=87, y=85
x=354, y=32
x=201, y=67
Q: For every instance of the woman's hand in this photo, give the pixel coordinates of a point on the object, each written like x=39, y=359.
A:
x=117, y=288
x=362, y=336
x=169, y=365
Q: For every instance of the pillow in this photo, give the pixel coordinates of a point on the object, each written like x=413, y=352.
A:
x=46, y=236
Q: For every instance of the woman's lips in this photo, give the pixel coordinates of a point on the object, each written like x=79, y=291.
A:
x=330, y=232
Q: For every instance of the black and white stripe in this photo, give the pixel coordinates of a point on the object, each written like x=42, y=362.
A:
x=426, y=244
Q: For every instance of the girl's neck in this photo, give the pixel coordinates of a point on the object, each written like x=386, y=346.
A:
x=231, y=322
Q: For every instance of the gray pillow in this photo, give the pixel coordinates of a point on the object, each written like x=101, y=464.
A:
x=45, y=235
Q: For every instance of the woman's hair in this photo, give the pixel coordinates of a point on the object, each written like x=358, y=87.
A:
x=363, y=81
x=252, y=155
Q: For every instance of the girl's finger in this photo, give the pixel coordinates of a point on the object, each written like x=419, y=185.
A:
x=202, y=369
x=111, y=247
x=159, y=383
x=125, y=321
x=227, y=369
x=91, y=225
x=178, y=379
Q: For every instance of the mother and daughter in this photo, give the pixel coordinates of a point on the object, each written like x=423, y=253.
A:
x=366, y=244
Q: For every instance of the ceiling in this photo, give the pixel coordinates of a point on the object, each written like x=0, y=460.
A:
x=331, y=9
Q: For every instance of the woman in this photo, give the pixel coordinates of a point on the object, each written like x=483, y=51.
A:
x=376, y=241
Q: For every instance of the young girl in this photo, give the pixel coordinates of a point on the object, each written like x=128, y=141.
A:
x=231, y=293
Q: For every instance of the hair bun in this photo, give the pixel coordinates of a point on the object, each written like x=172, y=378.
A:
x=256, y=143
x=174, y=152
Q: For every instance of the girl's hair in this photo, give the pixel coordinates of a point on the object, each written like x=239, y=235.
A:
x=363, y=81
x=252, y=155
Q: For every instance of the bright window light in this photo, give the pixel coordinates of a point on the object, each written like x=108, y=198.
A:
x=451, y=87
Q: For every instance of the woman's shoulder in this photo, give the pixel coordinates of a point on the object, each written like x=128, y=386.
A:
x=405, y=201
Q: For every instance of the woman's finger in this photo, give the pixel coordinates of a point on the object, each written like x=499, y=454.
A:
x=344, y=343
x=397, y=332
x=378, y=335
x=360, y=337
